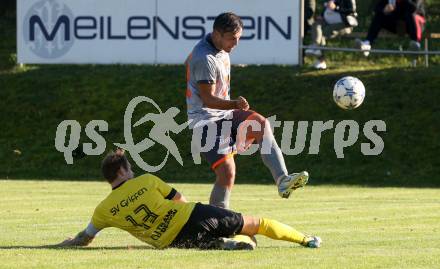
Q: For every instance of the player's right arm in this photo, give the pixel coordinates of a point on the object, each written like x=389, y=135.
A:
x=204, y=72
x=211, y=101
x=166, y=190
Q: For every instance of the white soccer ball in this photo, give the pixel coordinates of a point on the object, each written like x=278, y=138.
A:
x=349, y=92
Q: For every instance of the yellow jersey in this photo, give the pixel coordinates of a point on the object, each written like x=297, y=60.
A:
x=142, y=207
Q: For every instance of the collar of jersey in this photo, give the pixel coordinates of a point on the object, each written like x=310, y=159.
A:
x=119, y=185
x=209, y=41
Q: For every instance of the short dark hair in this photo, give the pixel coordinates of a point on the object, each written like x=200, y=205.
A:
x=112, y=163
x=228, y=22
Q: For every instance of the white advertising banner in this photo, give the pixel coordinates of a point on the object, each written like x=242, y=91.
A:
x=151, y=31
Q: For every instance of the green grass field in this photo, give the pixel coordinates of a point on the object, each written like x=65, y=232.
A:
x=360, y=227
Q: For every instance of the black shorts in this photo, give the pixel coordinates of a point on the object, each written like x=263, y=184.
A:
x=205, y=225
x=224, y=147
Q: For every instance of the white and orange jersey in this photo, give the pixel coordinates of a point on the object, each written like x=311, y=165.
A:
x=207, y=64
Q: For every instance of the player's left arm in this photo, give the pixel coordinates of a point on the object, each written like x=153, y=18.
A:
x=82, y=239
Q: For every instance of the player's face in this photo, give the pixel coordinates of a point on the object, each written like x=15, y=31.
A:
x=230, y=40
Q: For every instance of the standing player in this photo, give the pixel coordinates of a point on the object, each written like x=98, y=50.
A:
x=155, y=213
x=208, y=102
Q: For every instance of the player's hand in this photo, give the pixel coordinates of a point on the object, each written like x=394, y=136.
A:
x=388, y=9
x=66, y=243
x=242, y=103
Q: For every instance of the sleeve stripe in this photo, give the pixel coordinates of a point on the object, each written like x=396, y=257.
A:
x=172, y=194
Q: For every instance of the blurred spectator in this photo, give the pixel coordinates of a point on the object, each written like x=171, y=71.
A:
x=309, y=14
x=338, y=18
x=388, y=14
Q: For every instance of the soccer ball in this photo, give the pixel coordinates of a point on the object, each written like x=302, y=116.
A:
x=349, y=92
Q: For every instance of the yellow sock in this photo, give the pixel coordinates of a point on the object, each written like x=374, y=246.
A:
x=279, y=231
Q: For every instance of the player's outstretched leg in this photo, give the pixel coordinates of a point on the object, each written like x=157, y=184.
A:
x=271, y=153
x=278, y=231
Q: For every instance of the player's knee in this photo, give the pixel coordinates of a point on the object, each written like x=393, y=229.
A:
x=258, y=121
x=226, y=174
x=229, y=175
x=226, y=180
x=257, y=117
x=250, y=225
